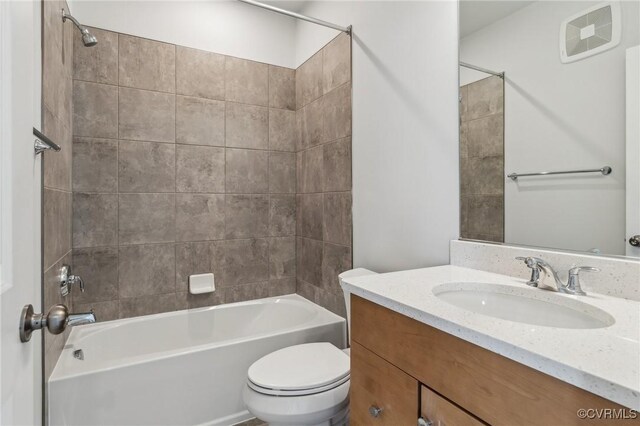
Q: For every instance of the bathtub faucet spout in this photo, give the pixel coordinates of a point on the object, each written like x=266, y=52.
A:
x=80, y=319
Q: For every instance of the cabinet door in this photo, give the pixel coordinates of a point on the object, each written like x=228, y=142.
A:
x=440, y=412
x=381, y=394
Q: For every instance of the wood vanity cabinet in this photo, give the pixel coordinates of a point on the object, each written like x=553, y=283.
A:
x=407, y=369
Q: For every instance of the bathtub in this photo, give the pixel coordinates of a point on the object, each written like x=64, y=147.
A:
x=178, y=368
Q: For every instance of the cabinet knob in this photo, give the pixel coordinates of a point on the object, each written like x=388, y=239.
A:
x=422, y=421
x=375, y=411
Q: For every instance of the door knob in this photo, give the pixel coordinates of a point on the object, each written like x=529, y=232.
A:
x=635, y=241
x=56, y=320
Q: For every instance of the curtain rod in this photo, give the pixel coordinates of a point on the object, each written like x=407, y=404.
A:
x=298, y=16
x=474, y=67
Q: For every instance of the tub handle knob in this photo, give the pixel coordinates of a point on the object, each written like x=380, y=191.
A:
x=68, y=280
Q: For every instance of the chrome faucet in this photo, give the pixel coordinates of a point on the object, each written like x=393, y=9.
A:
x=540, y=270
x=81, y=319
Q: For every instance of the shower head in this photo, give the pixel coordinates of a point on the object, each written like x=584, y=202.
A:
x=88, y=39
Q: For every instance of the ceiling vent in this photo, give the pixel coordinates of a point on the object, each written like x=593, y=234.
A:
x=590, y=32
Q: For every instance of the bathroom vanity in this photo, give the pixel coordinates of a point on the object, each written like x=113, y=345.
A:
x=415, y=356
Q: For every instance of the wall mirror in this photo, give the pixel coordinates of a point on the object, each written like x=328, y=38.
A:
x=549, y=124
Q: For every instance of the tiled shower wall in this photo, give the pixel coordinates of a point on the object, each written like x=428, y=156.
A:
x=57, y=50
x=323, y=94
x=184, y=162
x=482, y=160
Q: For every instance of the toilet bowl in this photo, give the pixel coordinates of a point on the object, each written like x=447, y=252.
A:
x=304, y=384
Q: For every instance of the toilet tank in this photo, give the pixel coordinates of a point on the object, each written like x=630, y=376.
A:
x=358, y=272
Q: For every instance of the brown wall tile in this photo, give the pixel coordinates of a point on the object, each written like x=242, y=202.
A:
x=282, y=130
x=95, y=165
x=309, y=260
x=95, y=110
x=282, y=257
x=336, y=65
x=146, y=270
x=309, y=212
x=309, y=80
x=310, y=170
x=146, y=167
x=146, y=116
x=482, y=175
x=282, y=87
x=309, y=121
x=247, y=171
x=199, y=73
x=335, y=260
x=485, y=136
x=95, y=219
x=337, y=113
x=200, y=169
x=282, y=172
x=486, y=216
x=247, y=126
x=199, y=217
x=247, y=216
x=282, y=215
x=246, y=81
x=337, y=166
x=146, y=64
x=337, y=218
x=146, y=218
x=199, y=121
x=246, y=261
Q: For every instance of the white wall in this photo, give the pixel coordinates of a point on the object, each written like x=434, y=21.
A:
x=405, y=127
x=222, y=26
x=558, y=117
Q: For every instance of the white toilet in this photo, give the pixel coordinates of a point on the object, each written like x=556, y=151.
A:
x=314, y=378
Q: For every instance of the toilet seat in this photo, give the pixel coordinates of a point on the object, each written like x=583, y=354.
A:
x=299, y=370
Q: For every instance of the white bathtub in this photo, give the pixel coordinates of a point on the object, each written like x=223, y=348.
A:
x=178, y=368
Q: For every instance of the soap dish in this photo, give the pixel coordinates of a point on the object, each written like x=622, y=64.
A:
x=201, y=283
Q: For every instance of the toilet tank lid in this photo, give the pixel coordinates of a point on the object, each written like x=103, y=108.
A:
x=357, y=272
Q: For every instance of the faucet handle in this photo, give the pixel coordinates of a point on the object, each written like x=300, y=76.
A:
x=77, y=279
x=573, y=283
x=532, y=263
x=576, y=270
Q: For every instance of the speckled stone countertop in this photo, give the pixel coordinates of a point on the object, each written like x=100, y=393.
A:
x=604, y=361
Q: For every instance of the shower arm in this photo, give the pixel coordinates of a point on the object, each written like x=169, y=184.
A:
x=66, y=16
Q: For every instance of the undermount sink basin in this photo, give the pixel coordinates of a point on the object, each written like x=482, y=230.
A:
x=529, y=306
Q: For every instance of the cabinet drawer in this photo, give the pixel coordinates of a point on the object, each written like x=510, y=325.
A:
x=377, y=384
x=441, y=412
